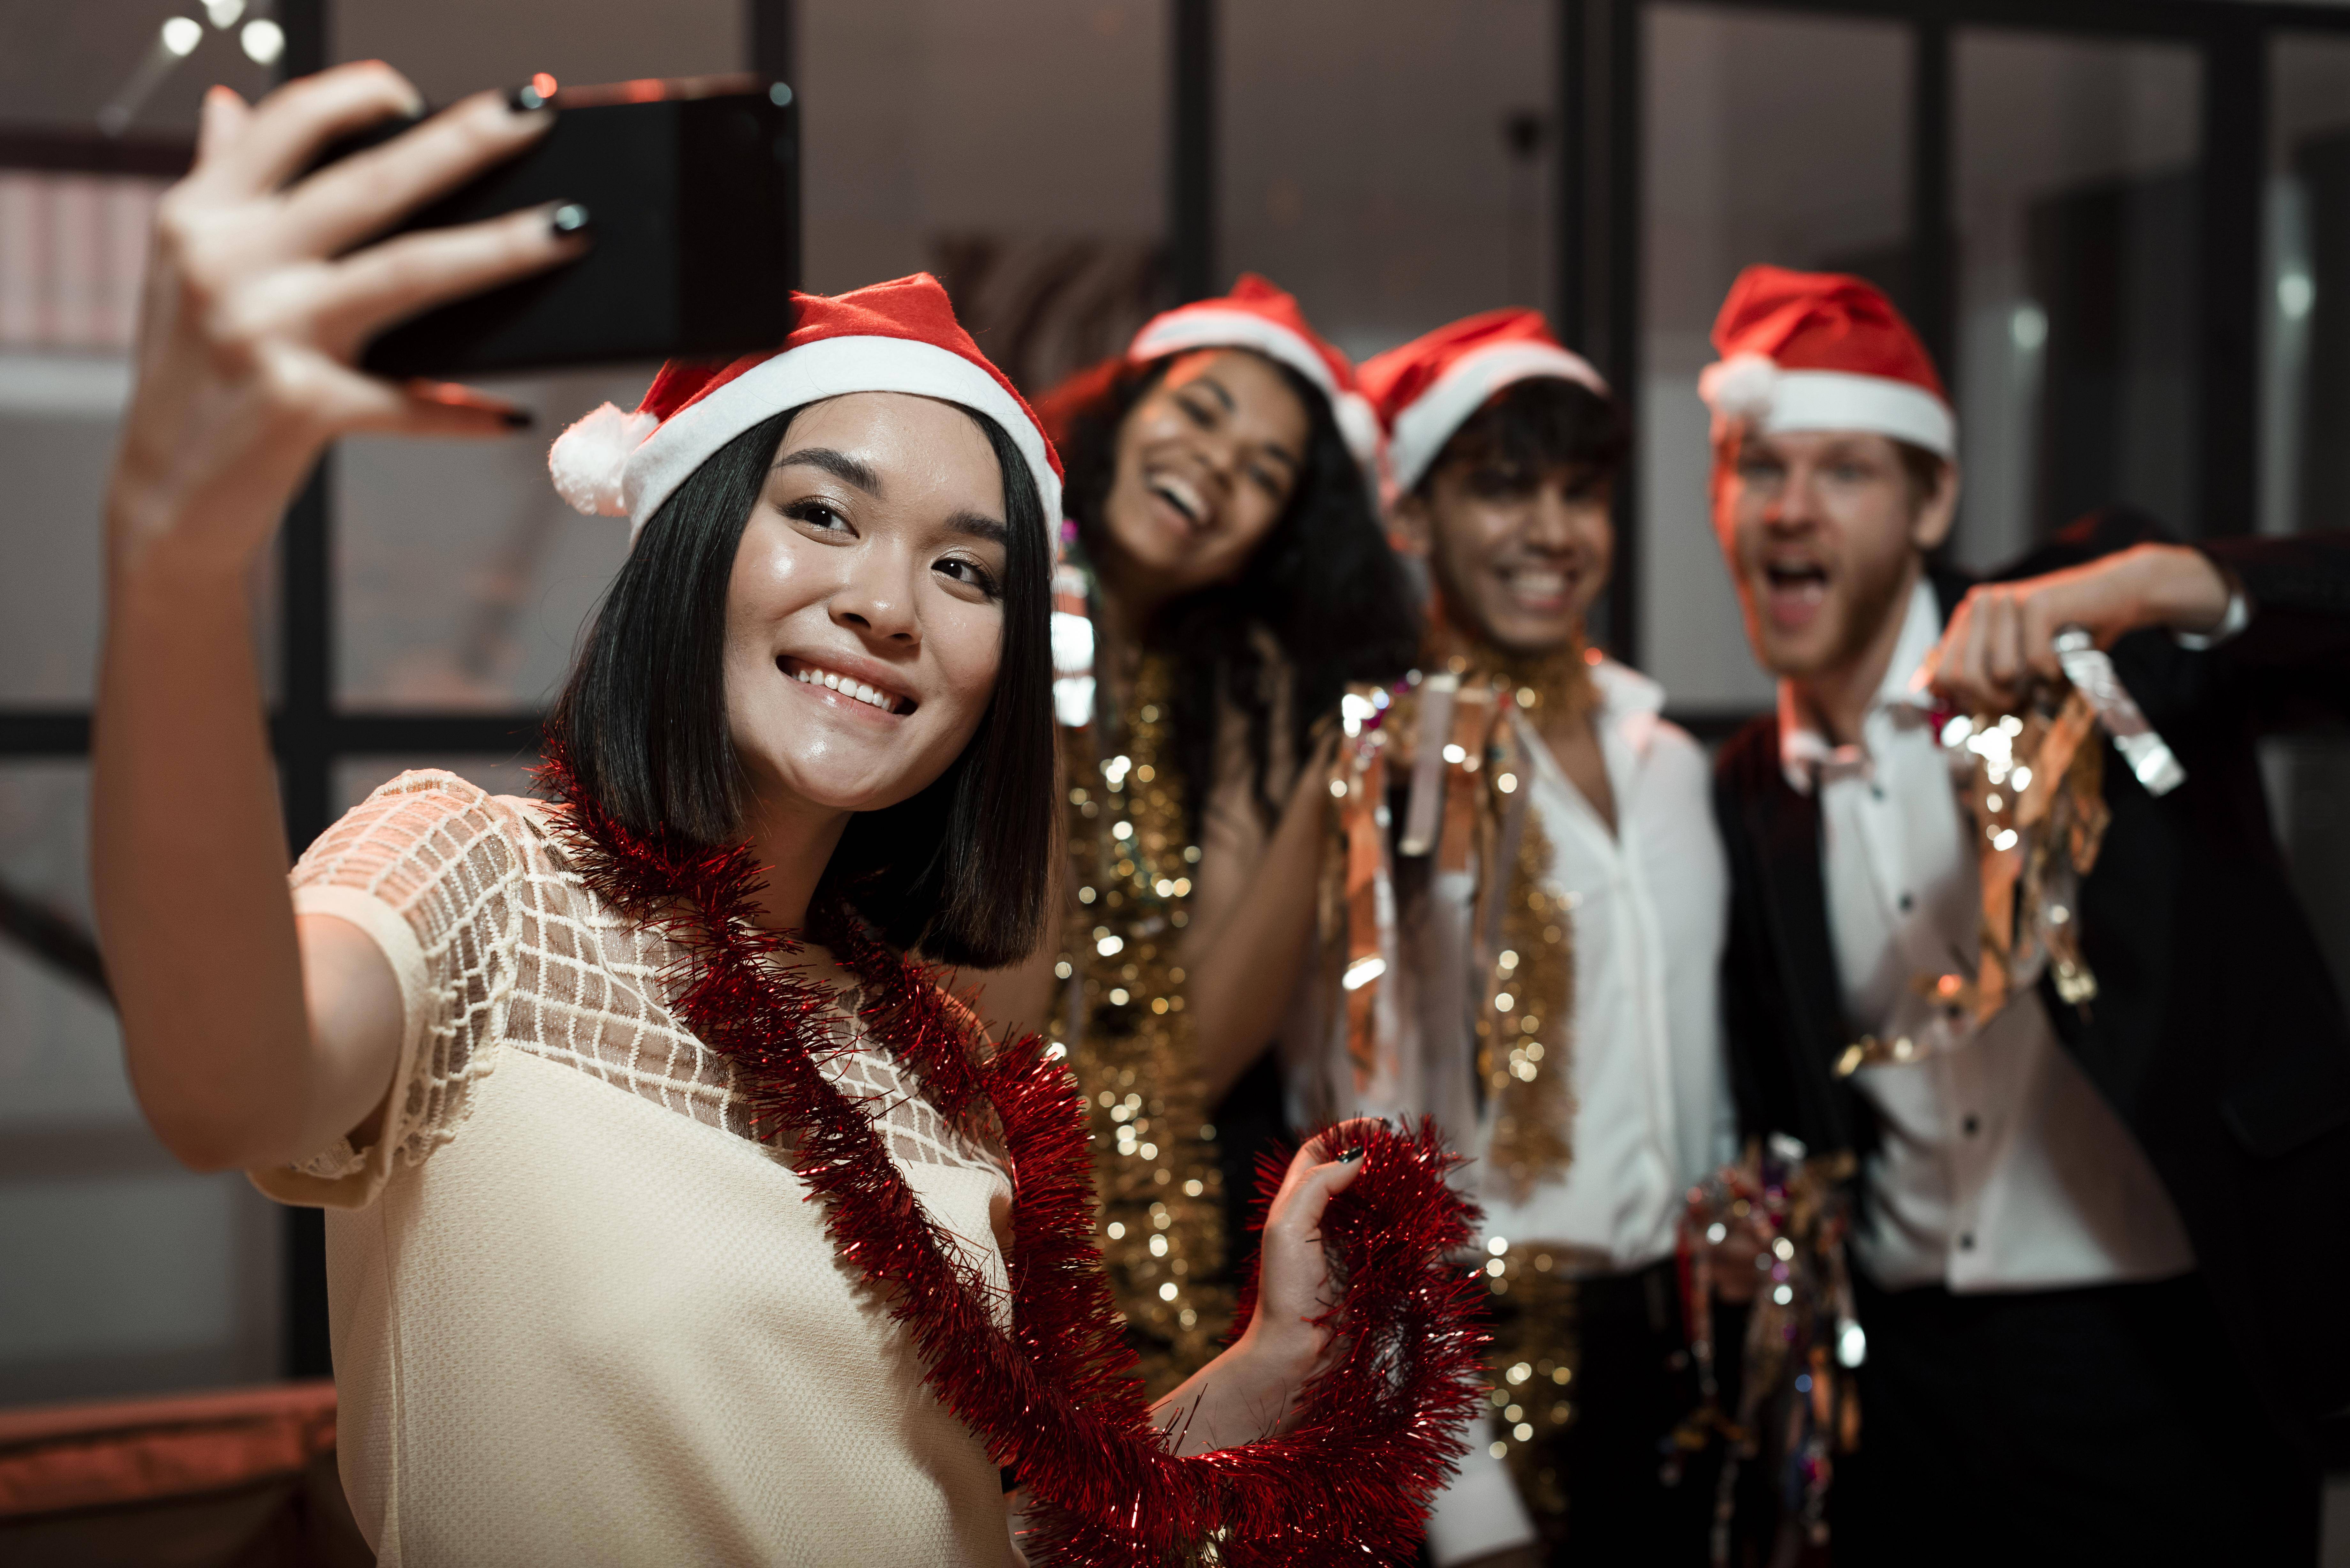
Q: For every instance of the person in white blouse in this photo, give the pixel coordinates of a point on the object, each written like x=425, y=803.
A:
x=2083, y=1341
x=1503, y=450
x=676, y=1214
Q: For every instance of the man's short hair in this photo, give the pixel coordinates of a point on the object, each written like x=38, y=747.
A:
x=1539, y=426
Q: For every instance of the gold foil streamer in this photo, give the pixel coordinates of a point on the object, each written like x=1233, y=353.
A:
x=1797, y=1407
x=2036, y=791
x=1124, y=1023
x=1523, y=940
x=1532, y=1394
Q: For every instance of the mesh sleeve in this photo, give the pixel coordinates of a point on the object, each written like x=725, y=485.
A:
x=435, y=871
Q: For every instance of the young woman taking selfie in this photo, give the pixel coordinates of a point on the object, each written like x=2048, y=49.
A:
x=1224, y=577
x=675, y=1213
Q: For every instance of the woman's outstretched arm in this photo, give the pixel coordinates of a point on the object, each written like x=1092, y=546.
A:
x=250, y=1041
x=1252, y=918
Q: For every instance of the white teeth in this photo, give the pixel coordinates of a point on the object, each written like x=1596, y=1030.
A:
x=1185, y=498
x=848, y=687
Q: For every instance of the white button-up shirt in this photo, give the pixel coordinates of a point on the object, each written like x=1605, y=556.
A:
x=1999, y=1166
x=1648, y=907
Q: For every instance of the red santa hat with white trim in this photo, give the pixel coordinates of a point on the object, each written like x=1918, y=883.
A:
x=896, y=337
x=1431, y=386
x=1258, y=315
x=1823, y=351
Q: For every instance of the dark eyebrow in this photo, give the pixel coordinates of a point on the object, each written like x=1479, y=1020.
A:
x=838, y=464
x=979, y=525
x=1216, y=386
x=1225, y=397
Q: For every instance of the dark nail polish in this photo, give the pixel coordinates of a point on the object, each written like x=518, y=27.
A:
x=517, y=418
x=1351, y=1156
x=525, y=98
x=569, y=219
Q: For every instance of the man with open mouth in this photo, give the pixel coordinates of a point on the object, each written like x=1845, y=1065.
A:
x=2094, y=1258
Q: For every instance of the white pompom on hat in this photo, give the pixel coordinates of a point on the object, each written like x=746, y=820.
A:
x=1259, y=316
x=896, y=337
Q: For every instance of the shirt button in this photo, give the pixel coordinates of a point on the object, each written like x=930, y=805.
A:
x=1876, y=792
x=1972, y=1124
x=1967, y=1241
x=1907, y=903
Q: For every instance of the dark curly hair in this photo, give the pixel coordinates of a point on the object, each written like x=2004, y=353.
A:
x=1323, y=584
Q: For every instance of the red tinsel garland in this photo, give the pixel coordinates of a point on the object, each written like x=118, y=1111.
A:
x=1377, y=1431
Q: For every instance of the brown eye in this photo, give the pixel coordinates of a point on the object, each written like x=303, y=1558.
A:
x=818, y=514
x=962, y=569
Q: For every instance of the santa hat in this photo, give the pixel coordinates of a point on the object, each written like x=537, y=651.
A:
x=898, y=336
x=1258, y=315
x=1430, y=387
x=1822, y=351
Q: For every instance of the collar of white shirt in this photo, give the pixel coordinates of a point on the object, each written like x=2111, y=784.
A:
x=1629, y=702
x=1806, y=756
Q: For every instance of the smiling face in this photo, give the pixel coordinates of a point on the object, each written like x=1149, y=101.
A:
x=864, y=617
x=1518, y=559
x=1207, y=460
x=1823, y=533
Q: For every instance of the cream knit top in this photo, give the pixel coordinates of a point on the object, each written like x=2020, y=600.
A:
x=580, y=1315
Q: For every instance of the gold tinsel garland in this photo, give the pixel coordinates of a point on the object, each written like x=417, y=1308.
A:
x=1522, y=938
x=1451, y=730
x=1532, y=1368
x=1157, y=1181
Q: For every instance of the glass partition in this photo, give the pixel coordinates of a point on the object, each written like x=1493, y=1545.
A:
x=1017, y=151
x=2305, y=406
x=1765, y=137
x=1387, y=160
x=2077, y=201
x=462, y=580
x=121, y=1273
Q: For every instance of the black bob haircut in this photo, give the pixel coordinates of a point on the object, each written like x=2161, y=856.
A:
x=965, y=870
x=1323, y=584
x=1536, y=426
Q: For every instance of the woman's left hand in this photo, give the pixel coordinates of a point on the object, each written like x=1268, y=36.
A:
x=1247, y=1392
x=1293, y=1271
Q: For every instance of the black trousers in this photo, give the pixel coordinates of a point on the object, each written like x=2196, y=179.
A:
x=2109, y=1424
x=1624, y=1506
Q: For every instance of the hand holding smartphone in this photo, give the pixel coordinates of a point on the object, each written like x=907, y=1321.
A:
x=689, y=190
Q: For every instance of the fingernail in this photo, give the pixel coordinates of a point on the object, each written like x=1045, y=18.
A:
x=569, y=219
x=526, y=97
x=1351, y=1156
x=517, y=418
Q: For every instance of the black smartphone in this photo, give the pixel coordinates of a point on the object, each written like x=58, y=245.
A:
x=691, y=189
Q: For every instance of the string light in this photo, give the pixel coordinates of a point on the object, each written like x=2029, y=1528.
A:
x=262, y=41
